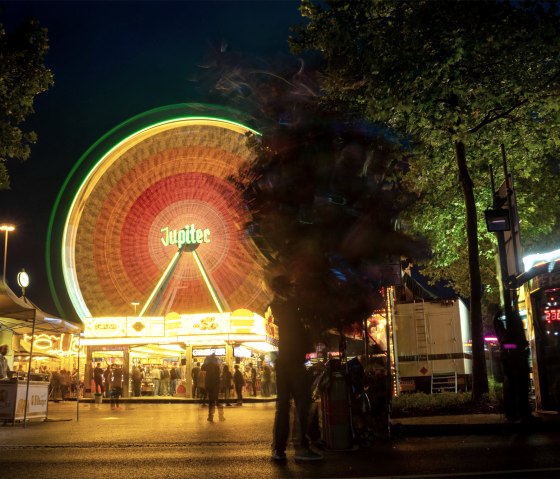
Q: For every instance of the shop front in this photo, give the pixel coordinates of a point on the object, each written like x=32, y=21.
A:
x=174, y=344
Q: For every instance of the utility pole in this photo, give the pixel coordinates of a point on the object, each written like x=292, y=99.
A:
x=502, y=219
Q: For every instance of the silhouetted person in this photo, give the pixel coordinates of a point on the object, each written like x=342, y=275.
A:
x=238, y=383
x=292, y=379
x=213, y=386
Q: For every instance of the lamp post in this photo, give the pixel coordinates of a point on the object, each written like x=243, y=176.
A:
x=6, y=229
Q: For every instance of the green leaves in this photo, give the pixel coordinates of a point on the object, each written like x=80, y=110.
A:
x=482, y=73
x=23, y=76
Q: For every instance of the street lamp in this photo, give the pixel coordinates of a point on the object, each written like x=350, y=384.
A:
x=23, y=281
x=6, y=229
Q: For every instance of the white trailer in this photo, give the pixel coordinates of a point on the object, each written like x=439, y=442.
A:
x=434, y=348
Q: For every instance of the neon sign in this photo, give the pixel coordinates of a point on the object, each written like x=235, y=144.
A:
x=552, y=315
x=187, y=235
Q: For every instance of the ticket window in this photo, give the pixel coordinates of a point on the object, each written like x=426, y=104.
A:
x=546, y=304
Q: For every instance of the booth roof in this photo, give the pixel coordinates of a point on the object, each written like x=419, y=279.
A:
x=18, y=315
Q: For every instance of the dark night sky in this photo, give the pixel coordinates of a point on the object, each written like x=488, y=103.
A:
x=111, y=61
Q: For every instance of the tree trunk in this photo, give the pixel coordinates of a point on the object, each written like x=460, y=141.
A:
x=480, y=377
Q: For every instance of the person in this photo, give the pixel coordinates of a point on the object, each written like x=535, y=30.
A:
x=65, y=382
x=266, y=378
x=155, y=374
x=107, y=380
x=201, y=384
x=165, y=381
x=226, y=383
x=116, y=384
x=212, y=386
x=174, y=376
x=292, y=378
x=4, y=368
x=54, y=385
x=194, y=378
x=137, y=377
x=253, y=379
x=238, y=383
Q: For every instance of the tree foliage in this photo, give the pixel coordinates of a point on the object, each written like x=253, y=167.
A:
x=23, y=75
x=456, y=79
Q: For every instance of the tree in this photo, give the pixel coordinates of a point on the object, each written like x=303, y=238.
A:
x=23, y=75
x=455, y=79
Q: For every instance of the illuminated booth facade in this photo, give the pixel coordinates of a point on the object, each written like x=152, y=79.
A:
x=155, y=260
x=541, y=300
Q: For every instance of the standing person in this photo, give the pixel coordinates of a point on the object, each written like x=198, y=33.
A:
x=253, y=379
x=116, y=384
x=226, y=383
x=55, y=384
x=107, y=380
x=266, y=379
x=155, y=375
x=292, y=379
x=4, y=362
x=137, y=376
x=194, y=377
x=174, y=378
x=238, y=382
x=212, y=386
x=165, y=381
x=201, y=383
x=65, y=382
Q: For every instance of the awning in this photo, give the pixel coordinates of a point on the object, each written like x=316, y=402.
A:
x=18, y=314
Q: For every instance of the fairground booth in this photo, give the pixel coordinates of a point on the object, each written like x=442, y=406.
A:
x=37, y=342
x=148, y=246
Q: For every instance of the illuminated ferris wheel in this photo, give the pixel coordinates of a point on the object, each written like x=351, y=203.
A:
x=148, y=216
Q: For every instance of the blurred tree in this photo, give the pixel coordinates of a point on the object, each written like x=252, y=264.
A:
x=455, y=79
x=23, y=75
x=323, y=193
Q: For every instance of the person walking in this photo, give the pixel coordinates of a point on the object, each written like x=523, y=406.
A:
x=212, y=386
x=292, y=379
x=226, y=383
x=238, y=383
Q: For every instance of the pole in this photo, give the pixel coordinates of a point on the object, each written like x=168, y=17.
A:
x=29, y=369
x=78, y=381
x=389, y=381
x=5, y=253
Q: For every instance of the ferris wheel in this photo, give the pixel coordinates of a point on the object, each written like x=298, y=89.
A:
x=148, y=217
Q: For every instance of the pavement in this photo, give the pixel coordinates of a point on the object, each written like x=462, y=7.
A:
x=478, y=424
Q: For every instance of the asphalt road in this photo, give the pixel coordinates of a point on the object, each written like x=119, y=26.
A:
x=176, y=441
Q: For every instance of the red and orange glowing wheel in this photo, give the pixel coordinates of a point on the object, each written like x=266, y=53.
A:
x=160, y=186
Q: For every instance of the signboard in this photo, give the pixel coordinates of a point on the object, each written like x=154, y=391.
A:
x=512, y=237
x=12, y=400
x=203, y=352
